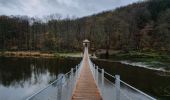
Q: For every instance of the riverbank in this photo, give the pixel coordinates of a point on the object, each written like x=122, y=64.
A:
x=152, y=60
x=37, y=54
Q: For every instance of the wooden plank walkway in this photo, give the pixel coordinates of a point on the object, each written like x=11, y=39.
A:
x=86, y=88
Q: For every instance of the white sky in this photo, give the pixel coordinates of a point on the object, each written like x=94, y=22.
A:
x=64, y=8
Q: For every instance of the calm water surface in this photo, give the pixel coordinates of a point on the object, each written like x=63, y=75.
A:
x=153, y=82
x=21, y=77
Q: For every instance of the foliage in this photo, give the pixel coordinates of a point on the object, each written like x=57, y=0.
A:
x=139, y=26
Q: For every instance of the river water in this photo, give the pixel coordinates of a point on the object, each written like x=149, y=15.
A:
x=21, y=77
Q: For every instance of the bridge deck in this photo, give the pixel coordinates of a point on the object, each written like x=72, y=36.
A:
x=86, y=88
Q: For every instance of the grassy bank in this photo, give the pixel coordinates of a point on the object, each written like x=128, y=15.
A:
x=38, y=54
x=151, y=58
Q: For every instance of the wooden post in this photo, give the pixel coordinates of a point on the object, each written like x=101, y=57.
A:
x=117, y=88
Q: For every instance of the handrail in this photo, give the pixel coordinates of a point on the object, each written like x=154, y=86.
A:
x=109, y=74
x=53, y=82
x=137, y=90
x=93, y=68
x=131, y=87
x=43, y=89
x=148, y=96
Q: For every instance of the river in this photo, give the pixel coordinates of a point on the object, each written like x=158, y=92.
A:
x=21, y=77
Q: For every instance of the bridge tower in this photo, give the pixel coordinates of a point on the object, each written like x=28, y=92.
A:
x=86, y=43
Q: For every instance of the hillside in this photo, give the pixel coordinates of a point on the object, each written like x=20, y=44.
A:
x=139, y=26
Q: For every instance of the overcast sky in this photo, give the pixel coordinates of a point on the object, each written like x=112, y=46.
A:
x=64, y=8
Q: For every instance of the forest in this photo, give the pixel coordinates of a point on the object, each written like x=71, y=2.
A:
x=139, y=26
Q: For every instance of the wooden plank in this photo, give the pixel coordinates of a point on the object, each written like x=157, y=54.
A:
x=86, y=88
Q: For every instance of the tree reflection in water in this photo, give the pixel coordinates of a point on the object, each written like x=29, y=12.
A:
x=20, y=77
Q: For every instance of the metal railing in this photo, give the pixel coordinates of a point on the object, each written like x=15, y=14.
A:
x=61, y=89
x=115, y=89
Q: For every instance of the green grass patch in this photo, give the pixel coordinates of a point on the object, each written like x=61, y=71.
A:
x=152, y=59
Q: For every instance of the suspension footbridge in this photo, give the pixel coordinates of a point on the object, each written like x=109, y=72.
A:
x=86, y=87
x=89, y=82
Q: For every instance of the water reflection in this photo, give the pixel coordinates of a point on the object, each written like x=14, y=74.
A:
x=20, y=77
x=150, y=81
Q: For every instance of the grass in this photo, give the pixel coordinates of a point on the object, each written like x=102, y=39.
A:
x=39, y=54
x=150, y=58
x=75, y=54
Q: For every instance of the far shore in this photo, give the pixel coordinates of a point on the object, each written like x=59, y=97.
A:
x=38, y=54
